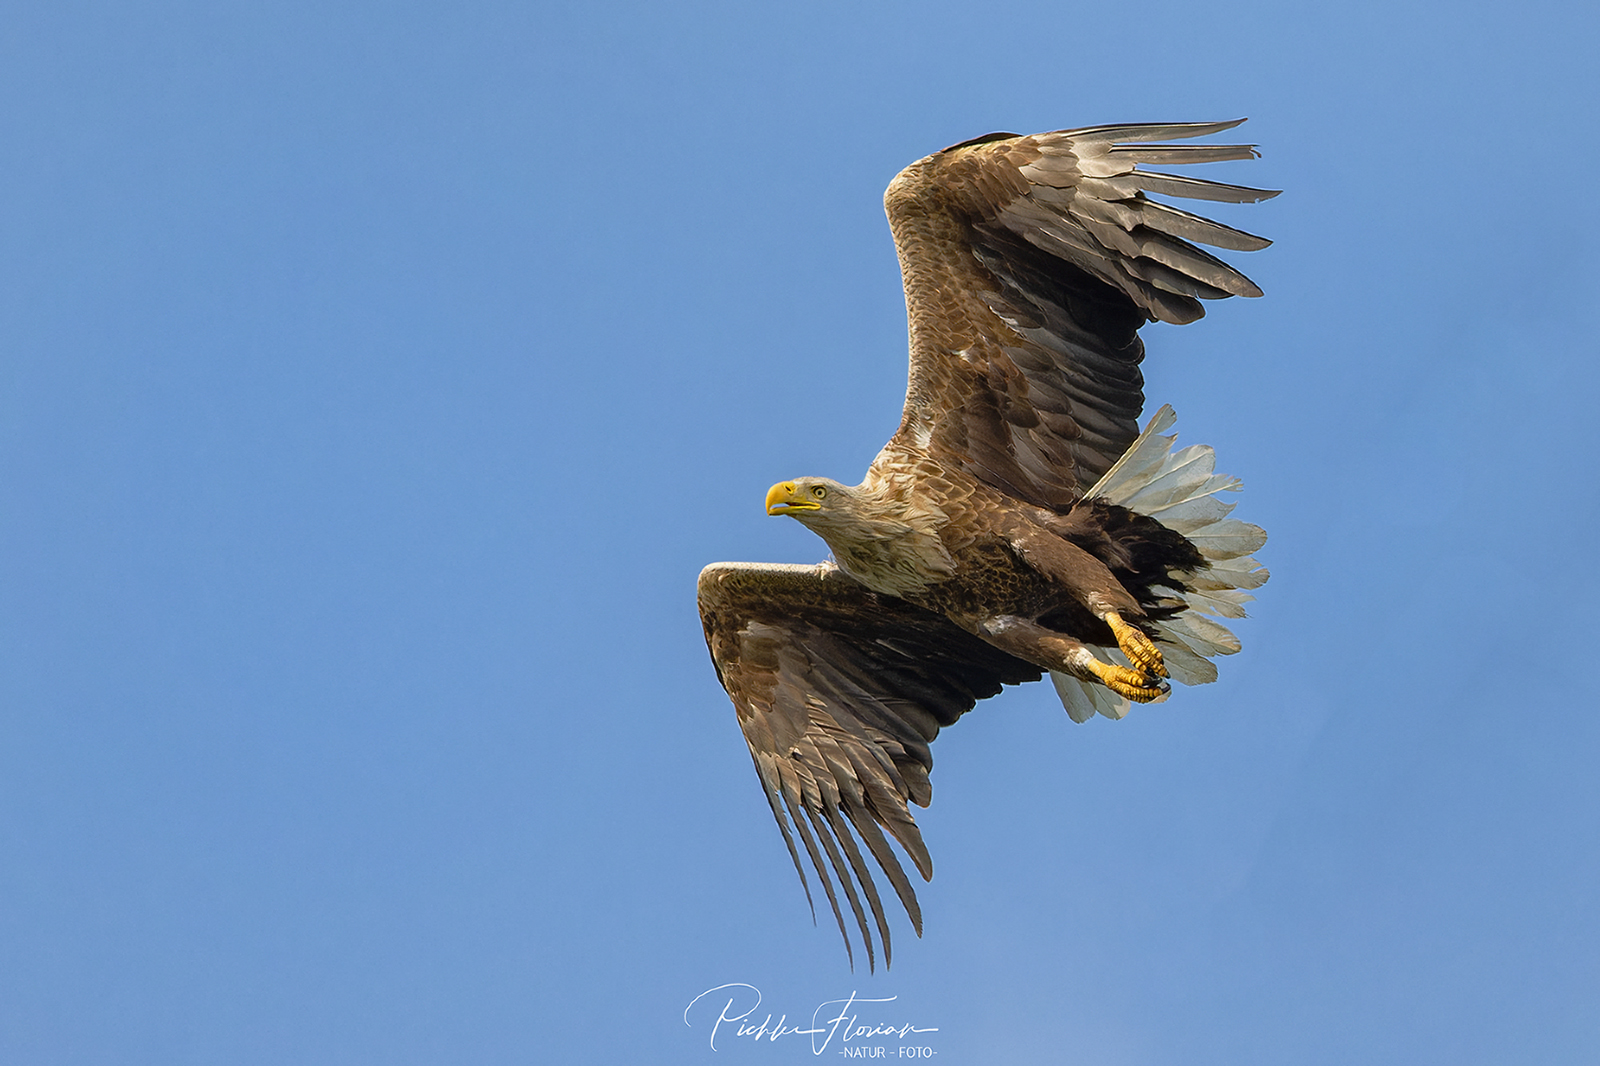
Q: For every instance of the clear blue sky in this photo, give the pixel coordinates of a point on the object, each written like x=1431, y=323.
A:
x=378, y=377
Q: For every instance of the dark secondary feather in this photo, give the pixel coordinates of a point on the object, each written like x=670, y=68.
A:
x=839, y=691
x=1030, y=263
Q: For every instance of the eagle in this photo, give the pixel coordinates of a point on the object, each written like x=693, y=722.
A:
x=1018, y=523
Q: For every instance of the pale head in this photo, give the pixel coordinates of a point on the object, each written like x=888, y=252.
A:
x=816, y=502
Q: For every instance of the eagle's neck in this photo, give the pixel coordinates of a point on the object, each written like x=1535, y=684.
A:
x=889, y=539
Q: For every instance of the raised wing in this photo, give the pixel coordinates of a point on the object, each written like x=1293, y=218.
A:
x=1029, y=264
x=839, y=692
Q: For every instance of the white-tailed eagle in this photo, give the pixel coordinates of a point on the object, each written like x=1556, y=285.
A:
x=1018, y=523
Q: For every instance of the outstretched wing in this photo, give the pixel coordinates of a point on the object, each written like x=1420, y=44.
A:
x=1029, y=264
x=839, y=692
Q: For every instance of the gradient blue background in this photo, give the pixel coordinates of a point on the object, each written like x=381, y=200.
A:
x=378, y=377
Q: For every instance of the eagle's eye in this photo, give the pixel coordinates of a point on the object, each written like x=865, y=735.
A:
x=819, y=491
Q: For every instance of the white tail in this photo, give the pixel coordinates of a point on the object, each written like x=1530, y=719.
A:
x=1178, y=488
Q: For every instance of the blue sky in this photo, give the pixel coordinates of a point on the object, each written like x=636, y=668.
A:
x=377, y=378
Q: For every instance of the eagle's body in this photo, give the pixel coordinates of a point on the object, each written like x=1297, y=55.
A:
x=943, y=540
x=1017, y=523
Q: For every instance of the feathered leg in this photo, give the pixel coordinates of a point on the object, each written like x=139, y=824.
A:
x=1052, y=651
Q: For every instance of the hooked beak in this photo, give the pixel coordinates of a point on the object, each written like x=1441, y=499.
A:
x=785, y=498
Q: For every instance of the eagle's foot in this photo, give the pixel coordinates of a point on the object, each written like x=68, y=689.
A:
x=1140, y=649
x=1136, y=685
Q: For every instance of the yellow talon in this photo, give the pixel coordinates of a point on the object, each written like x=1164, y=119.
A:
x=1140, y=649
x=1136, y=686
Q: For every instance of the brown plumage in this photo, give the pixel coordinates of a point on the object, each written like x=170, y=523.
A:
x=1017, y=523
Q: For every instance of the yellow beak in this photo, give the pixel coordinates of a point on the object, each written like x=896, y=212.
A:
x=785, y=498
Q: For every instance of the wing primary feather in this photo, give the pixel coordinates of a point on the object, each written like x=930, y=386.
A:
x=1180, y=185
x=878, y=844
x=1151, y=131
x=1198, y=264
x=890, y=809
x=1177, y=281
x=846, y=882
x=788, y=838
x=1183, y=154
x=822, y=875
x=1176, y=222
x=864, y=875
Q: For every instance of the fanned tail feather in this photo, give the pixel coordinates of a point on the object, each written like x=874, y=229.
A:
x=1178, y=487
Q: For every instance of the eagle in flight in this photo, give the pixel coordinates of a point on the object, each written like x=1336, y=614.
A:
x=1018, y=523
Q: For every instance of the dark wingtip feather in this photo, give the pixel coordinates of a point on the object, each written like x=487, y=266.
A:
x=827, y=884
x=845, y=882
x=878, y=844
x=788, y=838
x=1153, y=131
x=864, y=875
x=1192, y=188
x=985, y=139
